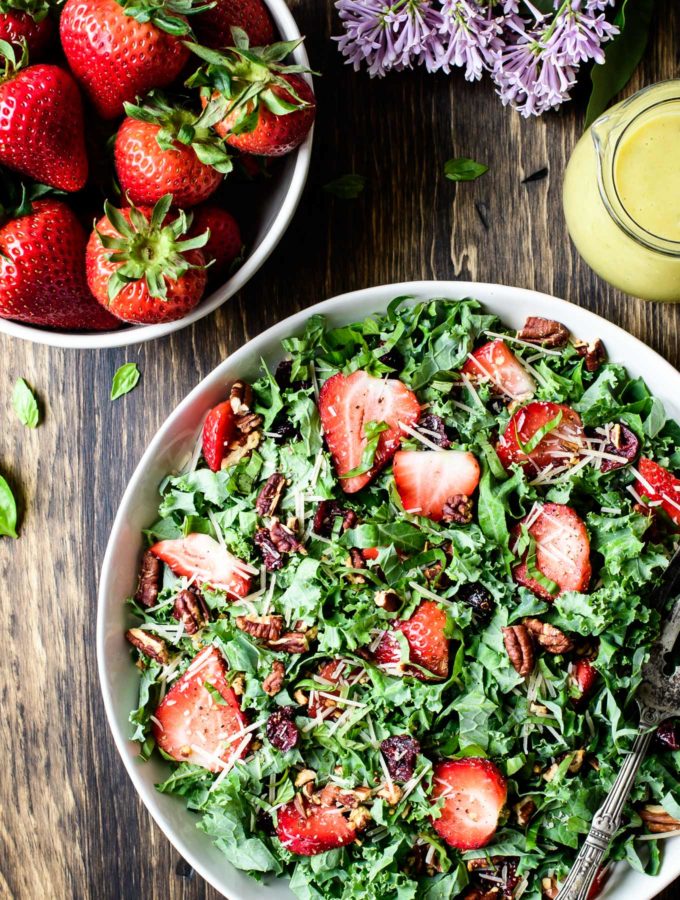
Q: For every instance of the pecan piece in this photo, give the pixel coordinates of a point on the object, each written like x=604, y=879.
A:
x=436, y=575
x=387, y=600
x=593, y=353
x=520, y=649
x=549, y=887
x=239, y=448
x=283, y=537
x=623, y=443
x=274, y=681
x=248, y=422
x=305, y=776
x=149, y=580
x=327, y=512
x=270, y=496
x=458, y=509
x=349, y=798
x=545, y=332
x=274, y=542
x=657, y=820
x=547, y=636
x=149, y=644
x=240, y=397
x=191, y=609
x=292, y=642
x=524, y=811
x=263, y=628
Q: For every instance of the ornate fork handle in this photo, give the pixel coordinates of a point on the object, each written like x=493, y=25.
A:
x=608, y=817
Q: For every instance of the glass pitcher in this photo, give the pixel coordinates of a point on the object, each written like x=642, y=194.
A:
x=622, y=194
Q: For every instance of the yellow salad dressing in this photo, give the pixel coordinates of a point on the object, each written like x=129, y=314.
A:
x=622, y=194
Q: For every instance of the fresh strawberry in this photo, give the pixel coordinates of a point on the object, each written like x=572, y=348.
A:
x=599, y=882
x=26, y=20
x=262, y=106
x=213, y=27
x=118, y=52
x=522, y=443
x=159, y=149
x=427, y=480
x=225, y=244
x=42, y=270
x=562, y=550
x=334, y=671
x=218, y=430
x=474, y=792
x=427, y=643
x=347, y=403
x=582, y=680
x=370, y=553
x=307, y=830
x=495, y=362
x=656, y=484
x=193, y=725
x=41, y=123
x=201, y=557
x=141, y=268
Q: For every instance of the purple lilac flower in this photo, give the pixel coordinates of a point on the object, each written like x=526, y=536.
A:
x=472, y=33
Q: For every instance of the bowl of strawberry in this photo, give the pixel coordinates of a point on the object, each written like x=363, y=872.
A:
x=376, y=599
x=152, y=156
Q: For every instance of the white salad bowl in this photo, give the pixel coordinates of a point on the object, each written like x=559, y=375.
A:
x=274, y=215
x=169, y=451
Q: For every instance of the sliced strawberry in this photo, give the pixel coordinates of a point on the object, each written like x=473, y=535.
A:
x=599, y=882
x=426, y=480
x=218, y=430
x=370, y=553
x=308, y=830
x=428, y=644
x=475, y=792
x=496, y=362
x=201, y=557
x=582, y=680
x=664, y=486
x=335, y=671
x=192, y=725
x=562, y=550
x=555, y=447
x=347, y=403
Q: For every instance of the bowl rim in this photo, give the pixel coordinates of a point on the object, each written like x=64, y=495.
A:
x=137, y=334
x=375, y=299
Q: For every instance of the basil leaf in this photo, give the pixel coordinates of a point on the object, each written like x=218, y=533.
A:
x=372, y=432
x=25, y=405
x=463, y=169
x=8, y=510
x=622, y=56
x=124, y=380
x=346, y=187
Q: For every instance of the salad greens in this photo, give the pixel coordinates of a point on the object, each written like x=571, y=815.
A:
x=529, y=727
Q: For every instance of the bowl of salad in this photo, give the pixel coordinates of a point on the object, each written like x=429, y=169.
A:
x=376, y=599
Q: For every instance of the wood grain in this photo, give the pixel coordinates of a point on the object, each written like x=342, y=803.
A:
x=70, y=823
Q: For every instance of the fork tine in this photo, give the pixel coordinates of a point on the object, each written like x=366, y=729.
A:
x=670, y=630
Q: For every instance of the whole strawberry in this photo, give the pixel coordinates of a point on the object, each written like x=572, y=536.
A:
x=213, y=27
x=42, y=269
x=224, y=244
x=254, y=101
x=119, y=51
x=159, y=150
x=26, y=20
x=139, y=267
x=41, y=123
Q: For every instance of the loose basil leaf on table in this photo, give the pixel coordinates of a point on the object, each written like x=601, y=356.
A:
x=25, y=405
x=464, y=169
x=346, y=187
x=8, y=510
x=124, y=380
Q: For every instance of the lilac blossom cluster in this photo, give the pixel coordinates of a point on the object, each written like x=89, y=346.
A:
x=533, y=56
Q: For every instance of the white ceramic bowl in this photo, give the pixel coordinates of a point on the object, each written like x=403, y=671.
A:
x=171, y=447
x=275, y=215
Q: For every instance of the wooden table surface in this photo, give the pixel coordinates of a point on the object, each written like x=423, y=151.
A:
x=71, y=825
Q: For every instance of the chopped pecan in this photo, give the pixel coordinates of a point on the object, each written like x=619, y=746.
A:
x=305, y=776
x=240, y=397
x=576, y=759
x=623, y=443
x=520, y=649
x=593, y=353
x=301, y=698
x=238, y=685
x=434, y=429
x=270, y=496
x=349, y=798
x=391, y=794
x=545, y=332
x=274, y=681
x=524, y=811
x=274, y=542
x=291, y=642
x=355, y=560
x=149, y=644
x=248, y=422
x=191, y=609
x=387, y=600
x=657, y=820
x=550, y=638
x=360, y=818
x=149, y=580
x=263, y=628
x=283, y=537
x=239, y=448
x=458, y=509
x=436, y=575
x=549, y=887
x=327, y=512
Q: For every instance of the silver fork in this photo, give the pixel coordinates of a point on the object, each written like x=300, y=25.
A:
x=658, y=699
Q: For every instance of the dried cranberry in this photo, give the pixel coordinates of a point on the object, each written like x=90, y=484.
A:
x=281, y=729
x=393, y=359
x=497, y=867
x=327, y=512
x=401, y=753
x=272, y=559
x=282, y=376
x=284, y=430
x=624, y=443
x=434, y=429
x=667, y=735
x=482, y=603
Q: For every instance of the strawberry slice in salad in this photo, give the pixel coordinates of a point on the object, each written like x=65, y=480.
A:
x=558, y=557
x=427, y=480
x=474, y=791
x=307, y=830
x=200, y=719
x=541, y=434
x=495, y=362
x=363, y=419
x=218, y=429
x=427, y=644
x=208, y=562
x=660, y=487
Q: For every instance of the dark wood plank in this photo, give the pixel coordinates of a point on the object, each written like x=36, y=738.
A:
x=71, y=825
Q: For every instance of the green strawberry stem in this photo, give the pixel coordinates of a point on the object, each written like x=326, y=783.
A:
x=36, y=9
x=149, y=249
x=16, y=197
x=9, y=64
x=165, y=14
